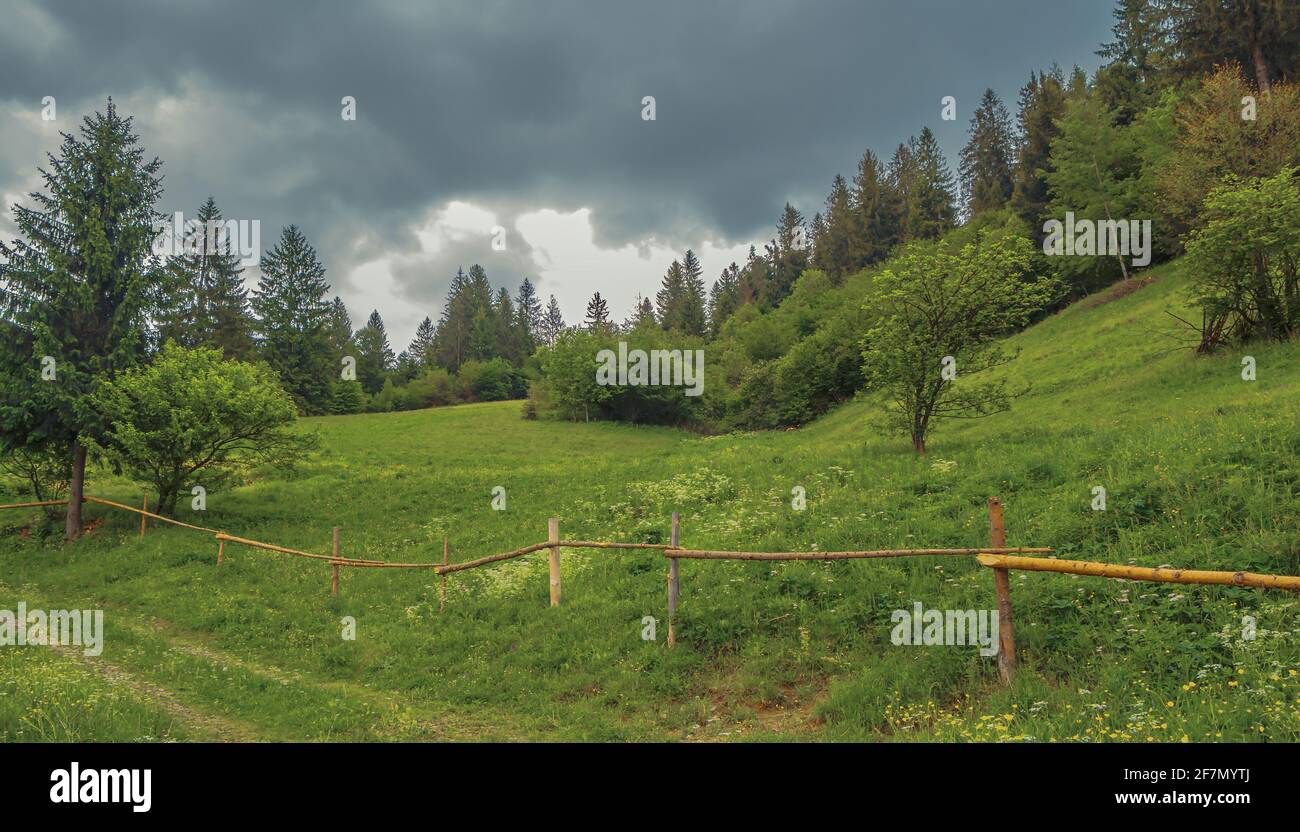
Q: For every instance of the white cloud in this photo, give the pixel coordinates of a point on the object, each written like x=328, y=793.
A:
x=559, y=254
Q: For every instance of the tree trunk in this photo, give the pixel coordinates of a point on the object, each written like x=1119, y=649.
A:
x=1261, y=67
x=918, y=444
x=167, y=502
x=76, y=488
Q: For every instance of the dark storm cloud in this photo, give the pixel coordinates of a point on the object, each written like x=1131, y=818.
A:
x=518, y=106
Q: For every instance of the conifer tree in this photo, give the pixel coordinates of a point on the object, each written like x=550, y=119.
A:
x=205, y=300
x=1139, y=58
x=787, y=256
x=1262, y=35
x=986, y=159
x=724, y=298
x=670, y=300
x=694, y=313
x=834, y=244
x=597, y=314
x=76, y=292
x=421, y=348
x=374, y=356
x=451, y=339
x=899, y=187
x=931, y=193
x=509, y=338
x=552, y=322
x=643, y=314
x=294, y=317
x=340, y=329
x=754, y=278
x=529, y=308
x=875, y=228
x=1042, y=104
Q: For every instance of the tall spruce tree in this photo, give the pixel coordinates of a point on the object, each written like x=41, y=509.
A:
x=899, y=185
x=510, y=339
x=529, y=307
x=724, y=298
x=374, y=355
x=875, y=228
x=834, y=245
x=597, y=314
x=986, y=159
x=483, y=329
x=670, y=300
x=694, y=320
x=451, y=339
x=787, y=256
x=206, y=300
x=294, y=318
x=754, y=278
x=1138, y=58
x=930, y=204
x=1042, y=104
x=77, y=292
x=340, y=330
x=421, y=348
x=552, y=322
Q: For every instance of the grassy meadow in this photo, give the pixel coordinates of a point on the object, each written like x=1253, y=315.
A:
x=1201, y=469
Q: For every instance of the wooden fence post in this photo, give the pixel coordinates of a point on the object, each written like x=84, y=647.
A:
x=334, y=567
x=1002, y=581
x=145, y=507
x=553, y=536
x=674, y=580
x=442, y=591
x=221, y=550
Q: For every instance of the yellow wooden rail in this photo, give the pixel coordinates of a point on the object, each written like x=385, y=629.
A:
x=1142, y=573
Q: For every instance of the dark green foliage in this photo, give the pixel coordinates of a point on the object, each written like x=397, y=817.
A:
x=348, y=398
x=597, y=314
x=205, y=302
x=78, y=290
x=295, y=321
x=1042, y=103
x=191, y=418
x=987, y=157
x=374, y=356
x=1245, y=260
x=787, y=256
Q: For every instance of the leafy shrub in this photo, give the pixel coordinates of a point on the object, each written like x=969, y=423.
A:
x=191, y=418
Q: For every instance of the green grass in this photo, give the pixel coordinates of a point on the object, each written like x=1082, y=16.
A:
x=1201, y=470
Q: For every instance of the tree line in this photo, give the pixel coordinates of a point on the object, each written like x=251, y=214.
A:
x=1192, y=122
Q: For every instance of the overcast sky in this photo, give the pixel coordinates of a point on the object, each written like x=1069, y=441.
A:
x=523, y=115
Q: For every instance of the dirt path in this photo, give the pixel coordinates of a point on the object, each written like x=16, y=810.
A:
x=438, y=725
x=204, y=726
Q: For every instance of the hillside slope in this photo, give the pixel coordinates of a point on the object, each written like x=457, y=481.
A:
x=1200, y=469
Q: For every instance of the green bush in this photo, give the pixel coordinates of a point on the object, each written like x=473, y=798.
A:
x=191, y=418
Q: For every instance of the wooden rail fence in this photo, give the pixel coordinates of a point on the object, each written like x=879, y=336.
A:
x=997, y=556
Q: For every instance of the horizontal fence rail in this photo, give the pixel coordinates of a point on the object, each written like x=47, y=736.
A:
x=101, y=501
x=284, y=550
x=705, y=554
x=1159, y=574
x=37, y=504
